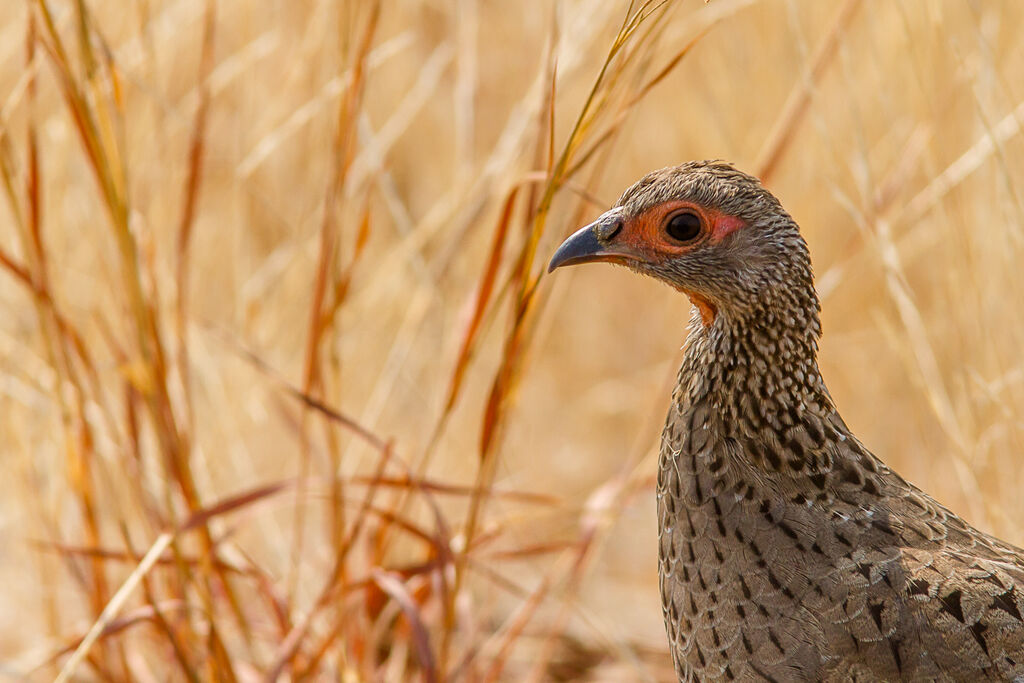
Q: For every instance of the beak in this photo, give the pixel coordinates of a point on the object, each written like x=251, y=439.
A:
x=592, y=243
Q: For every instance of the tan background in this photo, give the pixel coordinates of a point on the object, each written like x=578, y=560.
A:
x=904, y=167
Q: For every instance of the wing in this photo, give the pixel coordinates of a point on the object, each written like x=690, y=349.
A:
x=964, y=591
x=940, y=600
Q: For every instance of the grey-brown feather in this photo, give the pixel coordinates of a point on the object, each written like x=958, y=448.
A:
x=788, y=551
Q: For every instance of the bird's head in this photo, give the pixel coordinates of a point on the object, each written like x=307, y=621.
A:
x=710, y=231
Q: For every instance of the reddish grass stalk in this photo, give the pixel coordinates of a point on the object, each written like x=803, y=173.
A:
x=320, y=313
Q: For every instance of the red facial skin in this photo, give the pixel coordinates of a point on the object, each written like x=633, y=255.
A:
x=644, y=238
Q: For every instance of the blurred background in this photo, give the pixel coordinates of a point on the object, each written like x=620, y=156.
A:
x=285, y=393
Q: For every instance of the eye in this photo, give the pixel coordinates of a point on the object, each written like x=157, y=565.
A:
x=683, y=227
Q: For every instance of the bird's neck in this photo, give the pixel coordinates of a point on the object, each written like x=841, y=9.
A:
x=755, y=381
x=764, y=349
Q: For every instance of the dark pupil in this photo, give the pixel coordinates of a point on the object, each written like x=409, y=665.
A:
x=683, y=227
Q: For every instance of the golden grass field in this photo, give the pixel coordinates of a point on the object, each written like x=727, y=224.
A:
x=285, y=393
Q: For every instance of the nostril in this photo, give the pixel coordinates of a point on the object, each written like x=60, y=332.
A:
x=607, y=230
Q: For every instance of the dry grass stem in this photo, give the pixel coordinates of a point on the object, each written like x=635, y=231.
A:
x=287, y=395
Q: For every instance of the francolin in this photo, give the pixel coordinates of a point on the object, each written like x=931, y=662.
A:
x=788, y=551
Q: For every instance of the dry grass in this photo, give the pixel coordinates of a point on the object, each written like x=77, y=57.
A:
x=284, y=393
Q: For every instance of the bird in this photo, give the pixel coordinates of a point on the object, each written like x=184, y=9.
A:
x=787, y=550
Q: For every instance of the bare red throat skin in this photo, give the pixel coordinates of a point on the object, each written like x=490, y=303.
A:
x=706, y=308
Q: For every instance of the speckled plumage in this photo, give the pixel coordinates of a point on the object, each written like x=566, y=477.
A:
x=788, y=551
